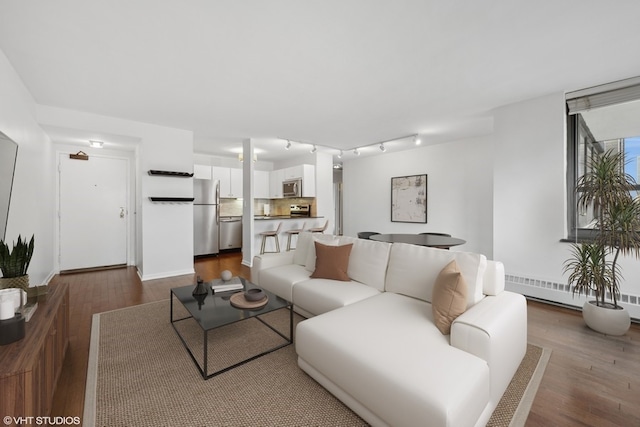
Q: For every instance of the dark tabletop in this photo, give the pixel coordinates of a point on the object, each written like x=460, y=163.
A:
x=431, y=240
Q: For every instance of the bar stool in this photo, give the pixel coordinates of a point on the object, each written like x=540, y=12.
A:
x=274, y=234
x=319, y=229
x=296, y=232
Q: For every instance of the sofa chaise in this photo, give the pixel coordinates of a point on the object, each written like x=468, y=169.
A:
x=375, y=340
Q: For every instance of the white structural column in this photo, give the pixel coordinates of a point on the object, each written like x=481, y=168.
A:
x=248, y=247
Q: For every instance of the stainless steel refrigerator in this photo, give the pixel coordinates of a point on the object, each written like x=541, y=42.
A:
x=206, y=216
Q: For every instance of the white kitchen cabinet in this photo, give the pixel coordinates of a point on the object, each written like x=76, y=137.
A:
x=308, y=181
x=293, y=172
x=235, y=189
x=223, y=175
x=305, y=172
x=202, y=172
x=261, y=189
x=275, y=183
x=230, y=181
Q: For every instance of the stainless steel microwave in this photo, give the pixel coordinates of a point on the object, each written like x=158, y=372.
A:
x=292, y=188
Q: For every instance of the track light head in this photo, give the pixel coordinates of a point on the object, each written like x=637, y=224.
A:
x=340, y=155
x=383, y=148
x=417, y=140
x=314, y=149
x=356, y=152
x=288, y=145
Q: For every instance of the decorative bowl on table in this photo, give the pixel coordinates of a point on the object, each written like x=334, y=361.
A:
x=254, y=294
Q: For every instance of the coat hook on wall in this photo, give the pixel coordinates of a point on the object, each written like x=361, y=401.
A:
x=80, y=155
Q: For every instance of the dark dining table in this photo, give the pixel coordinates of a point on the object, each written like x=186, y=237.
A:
x=431, y=240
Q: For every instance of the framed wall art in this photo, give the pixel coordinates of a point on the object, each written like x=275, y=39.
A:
x=409, y=198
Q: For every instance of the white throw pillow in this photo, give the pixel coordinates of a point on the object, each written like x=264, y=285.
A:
x=368, y=261
x=304, y=242
x=413, y=270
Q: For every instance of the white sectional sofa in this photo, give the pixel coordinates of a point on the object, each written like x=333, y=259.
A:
x=373, y=343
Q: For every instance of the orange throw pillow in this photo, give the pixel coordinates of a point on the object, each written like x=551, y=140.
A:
x=449, y=297
x=332, y=262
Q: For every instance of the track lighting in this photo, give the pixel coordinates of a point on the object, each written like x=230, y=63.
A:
x=340, y=155
x=383, y=148
x=356, y=152
x=288, y=145
x=314, y=149
x=417, y=140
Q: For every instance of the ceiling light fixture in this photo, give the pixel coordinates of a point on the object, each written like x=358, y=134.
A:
x=241, y=157
x=417, y=139
x=95, y=144
x=356, y=152
x=383, y=148
x=288, y=145
x=314, y=149
x=340, y=155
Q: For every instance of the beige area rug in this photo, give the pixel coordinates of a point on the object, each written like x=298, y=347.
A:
x=140, y=374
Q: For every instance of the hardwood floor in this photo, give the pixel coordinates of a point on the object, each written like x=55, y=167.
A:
x=591, y=379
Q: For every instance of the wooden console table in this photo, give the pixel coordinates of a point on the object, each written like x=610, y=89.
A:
x=29, y=368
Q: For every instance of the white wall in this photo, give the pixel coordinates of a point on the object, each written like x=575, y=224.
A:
x=459, y=191
x=529, y=187
x=164, y=231
x=530, y=202
x=32, y=201
x=505, y=194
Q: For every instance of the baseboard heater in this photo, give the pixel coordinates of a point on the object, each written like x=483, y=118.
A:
x=562, y=289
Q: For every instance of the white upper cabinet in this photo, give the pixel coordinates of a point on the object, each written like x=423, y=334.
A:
x=293, y=172
x=202, y=172
x=261, y=187
x=266, y=184
x=308, y=181
x=307, y=173
x=235, y=182
x=275, y=183
x=230, y=181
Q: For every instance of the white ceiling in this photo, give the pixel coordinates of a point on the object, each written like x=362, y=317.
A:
x=337, y=73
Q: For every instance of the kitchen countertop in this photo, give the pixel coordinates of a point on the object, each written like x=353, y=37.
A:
x=270, y=217
x=263, y=217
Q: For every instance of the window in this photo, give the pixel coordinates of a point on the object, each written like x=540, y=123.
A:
x=600, y=119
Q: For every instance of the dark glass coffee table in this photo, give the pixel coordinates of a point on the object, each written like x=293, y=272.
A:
x=214, y=310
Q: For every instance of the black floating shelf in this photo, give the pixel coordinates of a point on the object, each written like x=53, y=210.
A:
x=170, y=173
x=171, y=199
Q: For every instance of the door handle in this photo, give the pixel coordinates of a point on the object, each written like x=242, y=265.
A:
x=121, y=212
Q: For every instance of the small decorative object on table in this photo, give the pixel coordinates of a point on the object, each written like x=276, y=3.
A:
x=239, y=300
x=11, y=323
x=221, y=285
x=226, y=275
x=200, y=288
x=254, y=294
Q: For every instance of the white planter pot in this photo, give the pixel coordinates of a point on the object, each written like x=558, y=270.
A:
x=609, y=321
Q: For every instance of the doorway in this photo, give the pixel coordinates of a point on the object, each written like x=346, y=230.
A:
x=93, y=212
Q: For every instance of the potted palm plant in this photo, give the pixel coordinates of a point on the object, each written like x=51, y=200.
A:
x=15, y=263
x=593, y=266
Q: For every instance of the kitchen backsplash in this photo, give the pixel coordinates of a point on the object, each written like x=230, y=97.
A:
x=233, y=207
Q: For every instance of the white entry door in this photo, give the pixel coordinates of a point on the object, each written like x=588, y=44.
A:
x=93, y=212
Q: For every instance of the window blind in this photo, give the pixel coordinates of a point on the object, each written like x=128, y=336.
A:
x=604, y=95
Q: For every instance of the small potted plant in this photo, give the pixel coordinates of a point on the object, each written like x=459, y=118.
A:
x=15, y=263
x=593, y=266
